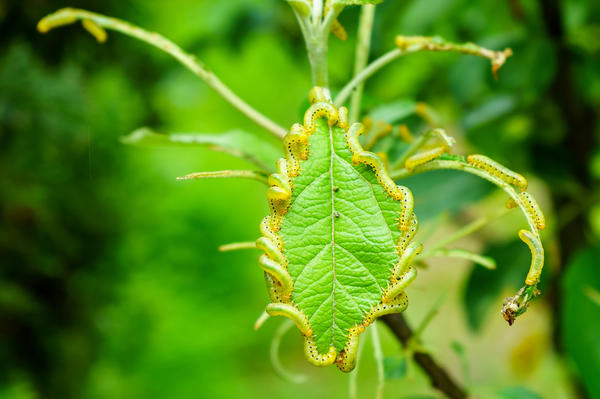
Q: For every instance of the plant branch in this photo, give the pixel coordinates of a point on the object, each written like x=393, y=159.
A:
x=365, y=74
x=363, y=45
x=234, y=246
x=227, y=174
x=470, y=228
x=440, y=379
x=413, y=44
x=67, y=16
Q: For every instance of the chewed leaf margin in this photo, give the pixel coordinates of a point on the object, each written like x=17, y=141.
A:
x=274, y=263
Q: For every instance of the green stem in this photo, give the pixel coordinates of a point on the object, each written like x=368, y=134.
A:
x=227, y=174
x=363, y=45
x=471, y=228
x=414, y=44
x=237, y=245
x=70, y=15
x=378, y=354
x=366, y=73
x=485, y=261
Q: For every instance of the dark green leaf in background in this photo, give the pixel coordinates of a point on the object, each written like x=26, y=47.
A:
x=581, y=318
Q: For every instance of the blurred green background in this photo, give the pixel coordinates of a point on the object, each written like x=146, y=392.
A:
x=111, y=285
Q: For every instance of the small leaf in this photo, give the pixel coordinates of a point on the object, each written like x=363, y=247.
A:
x=581, y=318
x=238, y=143
x=394, y=367
x=301, y=6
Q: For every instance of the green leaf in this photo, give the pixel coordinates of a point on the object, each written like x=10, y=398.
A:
x=355, y=2
x=238, y=143
x=394, y=367
x=459, y=190
x=339, y=247
x=581, y=318
x=518, y=393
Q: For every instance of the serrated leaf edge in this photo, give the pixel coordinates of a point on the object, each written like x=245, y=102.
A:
x=273, y=261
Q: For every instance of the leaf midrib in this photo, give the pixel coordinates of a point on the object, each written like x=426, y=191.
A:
x=331, y=155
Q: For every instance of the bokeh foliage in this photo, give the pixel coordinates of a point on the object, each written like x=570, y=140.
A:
x=110, y=283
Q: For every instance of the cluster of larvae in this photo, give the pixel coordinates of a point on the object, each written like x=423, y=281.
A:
x=279, y=283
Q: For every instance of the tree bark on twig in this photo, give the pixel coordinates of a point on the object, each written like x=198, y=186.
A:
x=440, y=379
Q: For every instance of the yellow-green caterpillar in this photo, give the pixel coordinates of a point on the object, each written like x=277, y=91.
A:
x=400, y=193
x=292, y=312
x=537, y=256
x=397, y=305
x=534, y=210
x=495, y=169
x=346, y=360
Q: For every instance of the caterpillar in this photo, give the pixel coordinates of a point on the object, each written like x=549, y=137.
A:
x=424, y=157
x=407, y=235
x=405, y=134
x=399, y=286
x=292, y=312
x=537, y=256
x=406, y=258
x=279, y=273
x=267, y=230
x=271, y=250
x=314, y=357
x=346, y=360
x=343, y=118
x=317, y=94
x=95, y=30
x=400, y=193
x=534, y=210
x=396, y=305
x=274, y=289
x=54, y=20
x=295, y=144
x=319, y=110
x=498, y=170
x=511, y=203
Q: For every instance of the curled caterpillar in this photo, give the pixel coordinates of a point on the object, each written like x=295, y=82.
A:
x=95, y=30
x=396, y=305
x=317, y=94
x=399, y=286
x=407, y=235
x=319, y=110
x=498, y=170
x=269, y=229
x=406, y=259
x=314, y=357
x=399, y=193
x=537, y=256
x=271, y=250
x=292, y=312
x=346, y=360
x=274, y=289
x=295, y=144
x=279, y=274
x=534, y=210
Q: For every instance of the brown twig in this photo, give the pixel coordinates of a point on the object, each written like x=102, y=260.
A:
x=440, y=379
